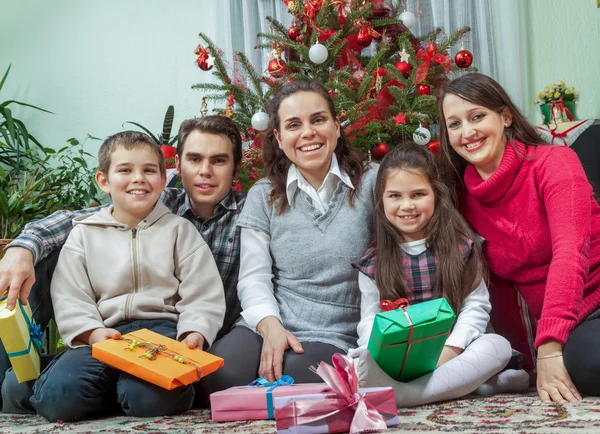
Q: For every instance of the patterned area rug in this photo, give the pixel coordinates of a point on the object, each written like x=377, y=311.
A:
x=498, y=414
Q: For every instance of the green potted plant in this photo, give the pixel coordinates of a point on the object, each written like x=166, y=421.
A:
x=35, y=180
x=164, y=139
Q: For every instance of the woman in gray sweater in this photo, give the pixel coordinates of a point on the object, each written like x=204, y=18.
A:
x=302, y=227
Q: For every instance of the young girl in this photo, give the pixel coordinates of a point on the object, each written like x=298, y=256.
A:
x=424, y=249
x=536, y=209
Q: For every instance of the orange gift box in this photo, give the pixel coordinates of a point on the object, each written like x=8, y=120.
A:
x=164, y=370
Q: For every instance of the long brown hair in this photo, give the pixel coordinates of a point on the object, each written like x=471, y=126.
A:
x=277, y=164
x=456, y=276
x=485, y=91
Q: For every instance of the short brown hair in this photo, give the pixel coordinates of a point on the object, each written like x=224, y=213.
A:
x=213, y=124
x=128, y=140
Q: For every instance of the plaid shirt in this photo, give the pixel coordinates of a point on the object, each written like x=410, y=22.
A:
x=419, y=270
x=220, y=233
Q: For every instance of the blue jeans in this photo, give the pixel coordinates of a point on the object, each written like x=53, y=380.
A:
x=39, y=299
x=76, y=386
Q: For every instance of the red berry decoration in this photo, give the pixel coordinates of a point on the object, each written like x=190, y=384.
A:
x=379, y=151
x=364, y=38
x=276, y=68
x=293, y=33
x=463, y=59
x=424, y=89
x=404, y=67
x=169, y=153
x=434, y=147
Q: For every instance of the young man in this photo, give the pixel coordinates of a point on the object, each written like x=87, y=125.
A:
x=209, y=154
x=129, y=266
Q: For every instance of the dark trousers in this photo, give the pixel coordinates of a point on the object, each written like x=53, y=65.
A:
x=76, y=386
x=241, y=349
x=582, y=357
x=39, y=299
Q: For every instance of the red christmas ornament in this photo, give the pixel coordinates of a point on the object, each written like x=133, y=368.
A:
x=276, y=68
x=434, y=147
x=203, y=65
x=379, y=151
x=169, y=153
x=364, y=37
x=380, y=72
x=463, y=59
x=424, y=89
x=293, y=33
x=359, y=75
x=404, y=67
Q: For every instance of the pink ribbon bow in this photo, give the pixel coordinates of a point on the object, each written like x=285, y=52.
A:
x=343, y=380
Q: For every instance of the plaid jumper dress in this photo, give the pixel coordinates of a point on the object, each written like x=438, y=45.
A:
x=420, y=271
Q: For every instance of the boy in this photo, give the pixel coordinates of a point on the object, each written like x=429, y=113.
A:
x=209, y=151
x=128, y=266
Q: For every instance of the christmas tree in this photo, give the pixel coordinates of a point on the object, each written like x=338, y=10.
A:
x=383, y=97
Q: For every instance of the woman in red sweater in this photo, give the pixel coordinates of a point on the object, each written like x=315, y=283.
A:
x=536, y=209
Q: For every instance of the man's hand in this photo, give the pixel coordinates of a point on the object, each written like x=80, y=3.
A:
x=17, y=274
x=448, y=353
x=194, y=340
x=276, y=340
x=92, y=337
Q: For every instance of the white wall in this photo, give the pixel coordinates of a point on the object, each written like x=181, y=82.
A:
x=97, y=64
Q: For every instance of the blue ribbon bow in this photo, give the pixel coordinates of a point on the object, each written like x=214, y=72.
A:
x=285, y=380
x=35, y=333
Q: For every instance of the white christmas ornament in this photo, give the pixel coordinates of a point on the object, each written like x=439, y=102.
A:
x=260, y=121
x=408, y=19
x=421, y=136
x=318, y=54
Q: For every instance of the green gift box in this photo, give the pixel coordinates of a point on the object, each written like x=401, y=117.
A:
x=407, y=342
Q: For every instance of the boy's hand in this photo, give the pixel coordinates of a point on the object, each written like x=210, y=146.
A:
x=98, y=335
x=17, y=275
x=194, y=340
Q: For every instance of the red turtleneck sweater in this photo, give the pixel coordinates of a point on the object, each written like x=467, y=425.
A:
x=542, y=226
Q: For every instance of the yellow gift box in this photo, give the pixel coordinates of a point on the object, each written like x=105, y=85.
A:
x=16, y=328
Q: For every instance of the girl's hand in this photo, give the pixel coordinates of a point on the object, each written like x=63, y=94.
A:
x=194, y=340
x=98, y=335
x=276, y=340
x=554, y=383
x=448, y=353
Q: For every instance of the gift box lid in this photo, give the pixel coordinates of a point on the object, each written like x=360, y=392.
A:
x=427, y=318
x=163, y=369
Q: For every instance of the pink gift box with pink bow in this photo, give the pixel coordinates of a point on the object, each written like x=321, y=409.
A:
x=345, y=409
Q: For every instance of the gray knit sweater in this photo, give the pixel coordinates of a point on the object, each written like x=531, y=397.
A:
x=315, y=285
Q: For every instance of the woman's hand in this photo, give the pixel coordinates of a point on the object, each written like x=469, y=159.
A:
x=276, y=340
x=553, y=381
x=448, y=353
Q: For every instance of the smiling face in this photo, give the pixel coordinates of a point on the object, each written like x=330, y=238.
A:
x=408, y=202
x=307, y=134
x=134, y=182
x=207, y=170
x=476, y=133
